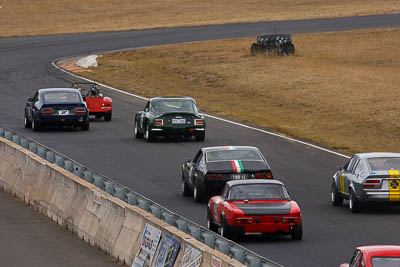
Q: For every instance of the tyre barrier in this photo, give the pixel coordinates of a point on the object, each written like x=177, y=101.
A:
x=89, y=203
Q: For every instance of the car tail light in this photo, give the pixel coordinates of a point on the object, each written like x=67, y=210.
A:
x=80, y=110
x=214, y=176
x=264, y=175
x=106, y=104
x=372, y=184
x=46, y=111
x=198, y=122
x=244, y=220
x=290, y=220
x=211, y=176
x=158, y=122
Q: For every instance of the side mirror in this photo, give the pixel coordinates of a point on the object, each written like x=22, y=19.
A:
x=30, y=99
x=340, y=168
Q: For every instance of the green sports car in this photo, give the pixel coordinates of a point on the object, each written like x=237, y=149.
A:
x=170, y=116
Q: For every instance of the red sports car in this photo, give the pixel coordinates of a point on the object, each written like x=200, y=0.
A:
x=254, y=206
x=375, y=256
x=98, y=105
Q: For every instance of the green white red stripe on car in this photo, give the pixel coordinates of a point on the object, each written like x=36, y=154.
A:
x=230, y=147
x=237, y=166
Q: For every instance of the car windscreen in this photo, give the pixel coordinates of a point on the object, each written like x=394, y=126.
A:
x=388, y=163
x=173, y=105
x=242, y=154
x=258, y=192
x=61, y=97
x=385, y=261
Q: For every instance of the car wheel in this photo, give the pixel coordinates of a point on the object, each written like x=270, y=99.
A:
x=297, y=232
x=200, y=136
x=27, y=122
x=225, y=229
x=148, y=135
x=198, y=194
x=185, y=188
x=354, y=204
x=336, y=198
x=85, y=127
x=136, y=131
x=210, y=224
x=108, y=116
x=36, y=125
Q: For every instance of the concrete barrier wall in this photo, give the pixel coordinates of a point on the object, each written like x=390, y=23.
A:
x=97, y=217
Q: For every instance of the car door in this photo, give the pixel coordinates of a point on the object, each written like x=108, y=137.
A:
x=218, y=205
x=33, y=106
x=189, y=168
x=350, y=175
x=197, y=168
x=344, y=175
x=142, y=116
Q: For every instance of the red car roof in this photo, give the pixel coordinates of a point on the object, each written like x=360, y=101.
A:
x=380, y=250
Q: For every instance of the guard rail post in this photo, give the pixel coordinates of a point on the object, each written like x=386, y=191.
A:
x=50, y=156
x=132, y=200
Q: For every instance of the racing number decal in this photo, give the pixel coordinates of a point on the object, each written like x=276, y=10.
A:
x=394, y=185
x=341, y=180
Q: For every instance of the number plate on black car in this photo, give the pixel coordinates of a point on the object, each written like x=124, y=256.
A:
x=239, y=176
x=63, y=112
x=178, y=121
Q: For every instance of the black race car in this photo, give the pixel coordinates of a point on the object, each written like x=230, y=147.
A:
x=206, y=174
x=170, y=116
x=56, y=106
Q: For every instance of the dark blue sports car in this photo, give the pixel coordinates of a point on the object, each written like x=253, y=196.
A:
x=58, y=107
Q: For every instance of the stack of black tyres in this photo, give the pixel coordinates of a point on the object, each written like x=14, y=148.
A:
x=279, y=44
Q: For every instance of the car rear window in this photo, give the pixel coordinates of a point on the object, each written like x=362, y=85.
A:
x=61, y=97
x=222, y=155
x=259, y=192
x=388, y=163
x=385, y=261
x=173, y=105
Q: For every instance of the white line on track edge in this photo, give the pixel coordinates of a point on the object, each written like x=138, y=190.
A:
x=208, y=115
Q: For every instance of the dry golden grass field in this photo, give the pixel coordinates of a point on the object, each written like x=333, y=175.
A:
x=340, y=90
x=28, y=17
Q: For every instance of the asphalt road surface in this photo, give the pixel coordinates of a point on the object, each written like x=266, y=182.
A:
x=153, y=169
x=28, y=238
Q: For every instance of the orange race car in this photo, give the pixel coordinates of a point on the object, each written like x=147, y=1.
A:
x=98, y=105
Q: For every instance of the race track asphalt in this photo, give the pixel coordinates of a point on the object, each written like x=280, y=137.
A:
x=153, y=169
x=28, y=238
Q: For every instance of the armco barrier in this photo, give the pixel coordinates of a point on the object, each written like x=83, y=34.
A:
x=101, y=211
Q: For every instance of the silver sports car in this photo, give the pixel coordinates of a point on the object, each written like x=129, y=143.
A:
x=367, y=177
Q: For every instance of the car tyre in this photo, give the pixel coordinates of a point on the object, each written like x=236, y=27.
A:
x=210, y=224
x=85, y=127
x=148, y=135
x=336, y=198
x=108, y=116
x=136, y=131
x=297, y=232
x=27, y=122
x=225, y=229
x=198, y=193
x=36, y=125
x=354, y=203
x=185, y=188
x=200, y=136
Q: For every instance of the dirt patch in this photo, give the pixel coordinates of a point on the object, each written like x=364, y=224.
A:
x=21, y=17
x=339, y=90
